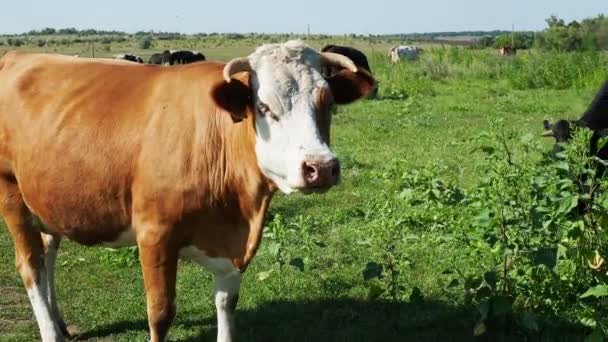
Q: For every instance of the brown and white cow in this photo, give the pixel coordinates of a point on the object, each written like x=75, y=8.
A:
x=507, y=50
x=180, y=161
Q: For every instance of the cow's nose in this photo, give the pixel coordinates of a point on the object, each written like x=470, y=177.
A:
x=321, y=174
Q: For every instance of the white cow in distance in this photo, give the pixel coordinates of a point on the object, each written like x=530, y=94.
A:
x=399, y=52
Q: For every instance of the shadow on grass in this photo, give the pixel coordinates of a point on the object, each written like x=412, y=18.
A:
x=136, y=325
x=354, y=320
x=357, y=320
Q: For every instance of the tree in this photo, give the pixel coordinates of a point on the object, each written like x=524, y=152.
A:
x=145, y=43
x=523, y=40
x=487, y=41
x=588, y=35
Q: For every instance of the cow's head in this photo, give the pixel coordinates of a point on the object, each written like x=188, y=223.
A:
x=561, y=130
x=292, y=101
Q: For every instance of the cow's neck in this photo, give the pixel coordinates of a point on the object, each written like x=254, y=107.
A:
x=236, y=186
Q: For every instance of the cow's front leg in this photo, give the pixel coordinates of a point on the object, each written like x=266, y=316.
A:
x=226, y=294
x=158, y=255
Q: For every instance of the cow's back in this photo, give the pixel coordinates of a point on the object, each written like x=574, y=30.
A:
x=72, y=133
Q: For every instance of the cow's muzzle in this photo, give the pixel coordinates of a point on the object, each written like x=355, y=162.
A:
x=320, y=175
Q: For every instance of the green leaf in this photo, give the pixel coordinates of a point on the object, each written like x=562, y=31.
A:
x=597, y=291
x=588, y=322
x=274, y=248
x=566, y=204
x=416, y=296
x=372, y=270
x=374, y=291
x=490, y=278
x=501, y=305
x=297, y=263
x=484, y=218
x=436, y=194
x=472, y=283
x=545, y=256
x=483, y=292
x=529, y=322
x=406, y=194
x=596, y=336
x=263, y=275
x=484, y=308
x=562, y=165
x=479, y=329
x=453, y=283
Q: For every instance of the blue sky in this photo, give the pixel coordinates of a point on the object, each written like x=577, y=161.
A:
x=324, y=16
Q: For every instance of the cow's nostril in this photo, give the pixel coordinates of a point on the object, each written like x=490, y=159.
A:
x=310, y=172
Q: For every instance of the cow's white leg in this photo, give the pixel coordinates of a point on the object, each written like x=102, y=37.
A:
x=29, y=256
x=38, y=293
x=51, y=247
x=226, y=294
x=227, y=282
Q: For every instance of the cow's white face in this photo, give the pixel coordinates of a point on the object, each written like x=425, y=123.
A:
x=291, y=101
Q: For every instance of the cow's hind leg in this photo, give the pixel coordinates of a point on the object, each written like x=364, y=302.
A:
x=51, y=247
x=29, y=255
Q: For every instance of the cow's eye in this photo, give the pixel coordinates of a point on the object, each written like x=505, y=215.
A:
x=265, y=110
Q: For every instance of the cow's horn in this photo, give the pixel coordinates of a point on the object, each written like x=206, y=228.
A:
x=336, y=59
x=235, y=66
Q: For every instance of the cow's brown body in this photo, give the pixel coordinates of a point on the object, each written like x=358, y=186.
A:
x=106, y=147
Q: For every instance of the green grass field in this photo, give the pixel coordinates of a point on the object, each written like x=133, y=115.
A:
x=427, y=115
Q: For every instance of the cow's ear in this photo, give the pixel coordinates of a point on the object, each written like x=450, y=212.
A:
x=348, y=86
x=235, y=97
x=546, y=124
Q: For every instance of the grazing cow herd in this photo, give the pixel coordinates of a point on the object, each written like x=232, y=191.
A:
x=166, y=57
x=181, y=172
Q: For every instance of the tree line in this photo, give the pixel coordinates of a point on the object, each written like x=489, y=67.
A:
x=590, y=34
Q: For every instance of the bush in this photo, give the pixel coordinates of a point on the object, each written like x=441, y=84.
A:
x=589, y=35
x=538, y=254
x=519, y=40
x=557, y=70
x=16, y=42
x=145, y=43
x=544, y=253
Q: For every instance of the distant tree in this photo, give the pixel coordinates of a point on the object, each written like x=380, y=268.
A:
x=554, y=21
x=16, y=42
x=486, y=41
x=41, y=42
x=522, y=40
x=48, y=31
x=69, y=30
x=590, y=34
x=574, y=24
x=88, y=32
x=145, y=43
